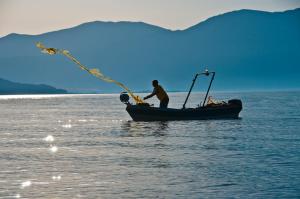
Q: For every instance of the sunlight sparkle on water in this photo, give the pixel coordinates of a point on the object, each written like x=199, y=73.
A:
x=53, y=149
x=18, y=196
x=26, y=184
x=67, y=126
x=49, y=138
x=56, y=178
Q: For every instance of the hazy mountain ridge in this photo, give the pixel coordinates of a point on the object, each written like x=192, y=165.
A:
x=8, y=87
x=248, y=49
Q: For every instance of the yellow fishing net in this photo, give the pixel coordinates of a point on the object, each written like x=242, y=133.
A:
x=94, y=71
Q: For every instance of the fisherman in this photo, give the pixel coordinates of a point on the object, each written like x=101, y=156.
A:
x=160, y=94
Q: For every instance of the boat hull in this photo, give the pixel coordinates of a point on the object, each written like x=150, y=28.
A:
x=228, y=110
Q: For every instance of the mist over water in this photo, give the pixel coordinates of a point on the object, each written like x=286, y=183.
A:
x=86, y=146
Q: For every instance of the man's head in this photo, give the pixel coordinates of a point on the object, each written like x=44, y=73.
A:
x=154, y=83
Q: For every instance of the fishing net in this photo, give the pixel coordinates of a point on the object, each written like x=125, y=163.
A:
x=94, y=71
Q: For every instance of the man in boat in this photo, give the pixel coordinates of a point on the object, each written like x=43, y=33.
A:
x=160, y=94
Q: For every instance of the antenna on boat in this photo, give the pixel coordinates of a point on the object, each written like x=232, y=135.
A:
x=206, y=73
x=187, y=97
x=212, y=79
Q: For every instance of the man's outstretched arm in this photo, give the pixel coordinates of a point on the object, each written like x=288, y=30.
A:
x=151, y=95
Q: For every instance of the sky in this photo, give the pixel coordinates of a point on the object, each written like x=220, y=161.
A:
x=39, y=16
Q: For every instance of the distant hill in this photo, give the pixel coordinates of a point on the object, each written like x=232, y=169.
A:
x=248, y=49
x=8, y=87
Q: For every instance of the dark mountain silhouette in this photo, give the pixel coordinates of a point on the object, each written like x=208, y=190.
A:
x=248, y=49
x=8, y=87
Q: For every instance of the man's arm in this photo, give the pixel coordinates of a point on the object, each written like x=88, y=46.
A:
x=151, y=95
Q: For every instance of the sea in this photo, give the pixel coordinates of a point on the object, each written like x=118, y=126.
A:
x=87, y=146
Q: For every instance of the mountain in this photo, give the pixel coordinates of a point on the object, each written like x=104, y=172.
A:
x=8, y=87
x=248, y=49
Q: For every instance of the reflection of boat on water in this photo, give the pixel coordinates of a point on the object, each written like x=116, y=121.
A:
x=145, y=129
x=210, y=110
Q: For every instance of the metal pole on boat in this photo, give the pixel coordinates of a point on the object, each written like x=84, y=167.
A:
x=212, y=78
x=187, y=97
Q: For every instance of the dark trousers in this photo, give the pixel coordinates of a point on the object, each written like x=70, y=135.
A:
x=164, y=103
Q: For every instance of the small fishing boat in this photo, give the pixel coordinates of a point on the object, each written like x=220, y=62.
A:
x=206, y=110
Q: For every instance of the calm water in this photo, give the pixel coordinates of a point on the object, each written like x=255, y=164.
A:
x=85, y=146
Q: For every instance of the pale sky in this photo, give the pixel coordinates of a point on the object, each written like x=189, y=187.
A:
x=39, y=16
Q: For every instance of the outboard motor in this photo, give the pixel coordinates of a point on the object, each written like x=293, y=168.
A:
x=124, y=98
x=236, y=102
